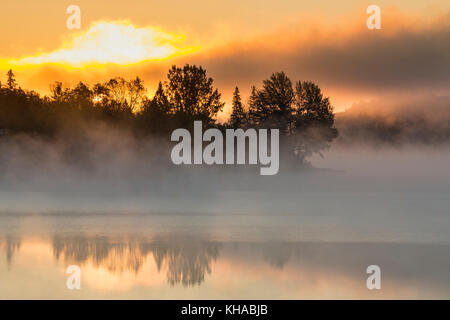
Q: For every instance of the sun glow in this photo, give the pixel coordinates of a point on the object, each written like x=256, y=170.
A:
x=117, y=42
x=97, y=99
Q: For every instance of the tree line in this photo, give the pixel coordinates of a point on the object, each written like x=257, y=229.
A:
x=299, y=110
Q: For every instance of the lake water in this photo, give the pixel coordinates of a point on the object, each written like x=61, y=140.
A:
x=308, y=235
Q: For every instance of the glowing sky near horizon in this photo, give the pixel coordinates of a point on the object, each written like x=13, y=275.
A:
x=118, y=42
x=143, y=38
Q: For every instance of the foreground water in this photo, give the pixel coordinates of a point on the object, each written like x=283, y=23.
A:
x=299, y=235
x=223, y=257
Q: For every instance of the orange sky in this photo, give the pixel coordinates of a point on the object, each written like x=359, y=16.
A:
x=238, y=42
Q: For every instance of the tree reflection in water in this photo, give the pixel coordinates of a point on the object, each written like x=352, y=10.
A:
x=11, y=245
x=186, y=259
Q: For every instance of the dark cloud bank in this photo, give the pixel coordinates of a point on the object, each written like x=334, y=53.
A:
x=384, y=60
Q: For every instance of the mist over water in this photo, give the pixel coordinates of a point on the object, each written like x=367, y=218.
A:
x=359, y=100
x=139, y=226
x=123, y=175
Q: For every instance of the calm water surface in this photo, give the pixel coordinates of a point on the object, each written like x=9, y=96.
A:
x=230, y=236
x=218, y=257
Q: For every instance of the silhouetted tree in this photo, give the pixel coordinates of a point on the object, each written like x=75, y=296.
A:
x=23, y=111
x=155, y=115
x=305, y=118
x=272, y=106
x=238, y=115
x=191, y=95
x=57, y=92
x=11, y=82
x=253, y=108
x=314, y=120
x=136, y=94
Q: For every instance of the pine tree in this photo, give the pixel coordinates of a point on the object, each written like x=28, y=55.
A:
x=11, y=82
x=252, y=115
x=160, y=100
x=238, y=116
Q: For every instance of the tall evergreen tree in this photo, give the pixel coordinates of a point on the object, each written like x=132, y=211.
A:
x=253, y=114
x=11, y=82
x=238, y=115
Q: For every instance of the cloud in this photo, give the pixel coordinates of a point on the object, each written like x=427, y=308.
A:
x=417, y=119
x=399, y=57
x=117, y=42
x=349, y=62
